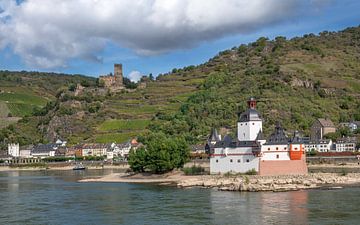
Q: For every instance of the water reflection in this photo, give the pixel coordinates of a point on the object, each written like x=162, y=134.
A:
x=52, y=197
x=259, y=208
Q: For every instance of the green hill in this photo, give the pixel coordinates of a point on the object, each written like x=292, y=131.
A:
x=294, y=80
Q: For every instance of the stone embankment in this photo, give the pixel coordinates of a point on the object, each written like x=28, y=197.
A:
x=271, y=183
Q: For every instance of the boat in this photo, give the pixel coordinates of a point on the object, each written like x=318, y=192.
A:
x=79, y=166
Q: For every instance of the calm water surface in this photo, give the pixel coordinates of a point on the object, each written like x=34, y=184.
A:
x=54, y=197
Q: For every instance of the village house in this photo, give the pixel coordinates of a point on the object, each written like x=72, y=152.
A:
x=345, y=145
x=250, y=151
x=324, y=145
x=25, y=151
x=95, y=149
x=320, y=127
x=44, y=150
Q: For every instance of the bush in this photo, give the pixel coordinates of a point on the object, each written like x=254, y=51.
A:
x=56, y=159
x=251, y=172
x=194, y=170
x=343, y=172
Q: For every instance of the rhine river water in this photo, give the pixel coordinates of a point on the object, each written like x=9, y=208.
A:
x=55, y=197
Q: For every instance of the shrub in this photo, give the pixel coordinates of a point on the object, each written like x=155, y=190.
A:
x=343, y=172
x=251, y=172
x=194, y=170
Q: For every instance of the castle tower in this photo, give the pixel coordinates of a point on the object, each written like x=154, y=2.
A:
x=250, y=123
x=118, y=75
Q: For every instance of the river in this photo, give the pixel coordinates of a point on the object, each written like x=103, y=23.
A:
x=55, y=197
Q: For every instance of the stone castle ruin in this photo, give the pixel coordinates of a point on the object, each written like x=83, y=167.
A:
x=114, y=82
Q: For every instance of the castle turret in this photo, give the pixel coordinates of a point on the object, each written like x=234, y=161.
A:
x=250, y=123
x=118, y=75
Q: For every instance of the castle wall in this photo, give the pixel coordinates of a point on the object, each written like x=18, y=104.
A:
x=235, y=160
x=283, y=167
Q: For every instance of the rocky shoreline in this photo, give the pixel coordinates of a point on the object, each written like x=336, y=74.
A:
x=273, y=183
x=240, y=182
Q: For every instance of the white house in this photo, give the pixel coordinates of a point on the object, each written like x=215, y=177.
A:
x=323, y=145
x=345, y=145
x=14, y=150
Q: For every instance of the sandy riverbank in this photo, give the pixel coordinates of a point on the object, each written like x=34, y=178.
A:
x=240, y=182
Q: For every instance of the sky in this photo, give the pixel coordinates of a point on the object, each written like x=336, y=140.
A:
x=151, y=36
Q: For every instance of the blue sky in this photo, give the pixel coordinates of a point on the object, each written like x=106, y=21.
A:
x=64, y=47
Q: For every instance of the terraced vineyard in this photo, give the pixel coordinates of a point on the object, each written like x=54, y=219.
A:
x=295, y=80
x=137, y=109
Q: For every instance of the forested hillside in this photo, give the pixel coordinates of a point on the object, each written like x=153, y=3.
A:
x=294, y=80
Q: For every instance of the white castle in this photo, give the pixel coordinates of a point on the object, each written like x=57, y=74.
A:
x=250, y=151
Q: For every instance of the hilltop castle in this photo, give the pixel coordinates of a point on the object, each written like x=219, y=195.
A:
x=114, y=82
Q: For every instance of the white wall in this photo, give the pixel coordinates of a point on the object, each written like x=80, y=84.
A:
x=248, y=131
x=14, y=150
x=242, y=160
x=275, y=152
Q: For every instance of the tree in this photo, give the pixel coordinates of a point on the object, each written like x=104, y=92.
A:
x=129, y=84
x=137, y=159
x=151, y=77
x=161, y=154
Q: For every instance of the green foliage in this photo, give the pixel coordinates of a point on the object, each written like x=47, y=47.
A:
x=251, y=172
x=194, y=170
x=72, y=87
x=312, y=152
x=283, y=74
x=57, y=159
x=129, y=84
x=161, y=154
x=124, y=125
x=344, y=172
x=90, y=158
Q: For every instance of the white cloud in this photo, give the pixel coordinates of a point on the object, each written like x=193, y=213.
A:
x=134, y=76
x=48, y=33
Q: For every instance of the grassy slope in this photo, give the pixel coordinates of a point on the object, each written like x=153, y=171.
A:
x=296, y=81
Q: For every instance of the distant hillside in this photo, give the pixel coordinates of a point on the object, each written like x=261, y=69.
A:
x=22, y=92
x=295, y=81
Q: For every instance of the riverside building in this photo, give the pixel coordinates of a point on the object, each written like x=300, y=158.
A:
x=250, y=151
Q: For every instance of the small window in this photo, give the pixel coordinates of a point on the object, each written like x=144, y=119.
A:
x=277, y=148
x=296, y=149
x=253, y=123
x=245, y=123
x=239, y=160
x=285, y=148
x=277, y=156
x=247, y=160
x=268, y=149
x=231, y=160
x=217, y=161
